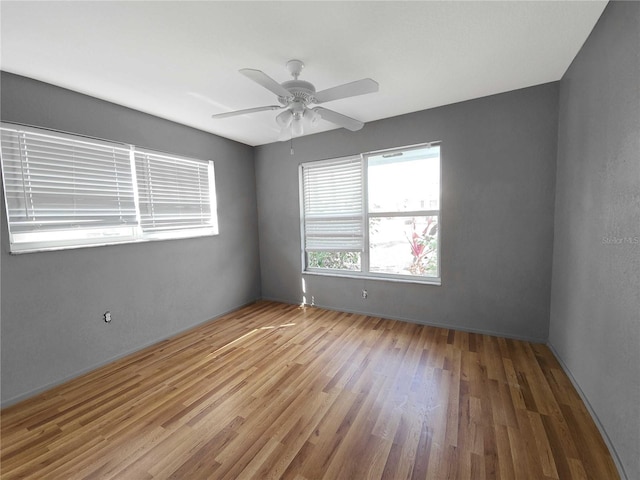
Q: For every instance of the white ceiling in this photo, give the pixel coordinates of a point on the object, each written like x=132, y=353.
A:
x=180, y=60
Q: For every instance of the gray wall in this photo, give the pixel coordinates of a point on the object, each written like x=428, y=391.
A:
x=52, y=302
x=595, y=302
x=498, y=182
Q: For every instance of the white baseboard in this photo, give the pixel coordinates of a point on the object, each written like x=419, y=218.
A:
x=592, y=412
x=419, y=322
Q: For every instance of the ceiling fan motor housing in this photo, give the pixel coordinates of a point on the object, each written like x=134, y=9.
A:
x=300, y=90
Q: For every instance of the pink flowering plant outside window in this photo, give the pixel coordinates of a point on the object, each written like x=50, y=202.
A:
x=424, y=247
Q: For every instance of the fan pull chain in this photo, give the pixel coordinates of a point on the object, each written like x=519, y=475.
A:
x=291, y=147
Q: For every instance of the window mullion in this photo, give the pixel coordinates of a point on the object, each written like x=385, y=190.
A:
x=24, y=165
x=136, y=194
x=402, y=213
x=365, y=216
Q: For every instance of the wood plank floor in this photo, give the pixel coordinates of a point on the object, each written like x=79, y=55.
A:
x=278, y=391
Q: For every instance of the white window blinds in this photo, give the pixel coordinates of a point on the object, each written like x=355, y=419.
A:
x=68, y=191
x=333, y=203
x=57, y=186
x=174, y=192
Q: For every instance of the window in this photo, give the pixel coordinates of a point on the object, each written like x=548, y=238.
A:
x=68, y=191
x=174, y=195
x=374, y=215
x=333, y=214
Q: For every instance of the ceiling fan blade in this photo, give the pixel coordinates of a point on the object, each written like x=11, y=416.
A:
x=246, y=110
x=266, y=81
x=339, y=119
x=359, y=87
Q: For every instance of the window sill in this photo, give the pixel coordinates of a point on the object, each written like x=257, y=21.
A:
x=37, y=247
x=355, y=276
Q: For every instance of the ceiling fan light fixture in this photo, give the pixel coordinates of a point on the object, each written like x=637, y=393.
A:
x=296, y=127
x=312, y=116
x=284, y=119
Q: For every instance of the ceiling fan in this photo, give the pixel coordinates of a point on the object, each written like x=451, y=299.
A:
x=295, y=96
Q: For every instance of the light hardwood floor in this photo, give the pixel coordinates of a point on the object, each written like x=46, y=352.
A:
x=277, y=391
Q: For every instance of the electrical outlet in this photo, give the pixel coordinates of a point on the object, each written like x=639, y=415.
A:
x=365, y=294
x=107, y=317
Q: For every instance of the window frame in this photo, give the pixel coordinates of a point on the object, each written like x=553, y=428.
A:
x=71, y=238
x=365, y=272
